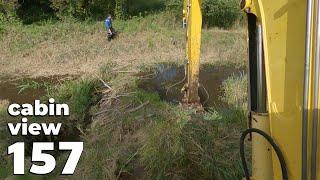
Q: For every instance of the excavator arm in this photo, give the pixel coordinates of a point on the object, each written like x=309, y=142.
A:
x=192, y=20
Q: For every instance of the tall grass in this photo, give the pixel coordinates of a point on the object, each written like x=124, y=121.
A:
x=79, y=95
x=81, y=47
x=194, y=149
x=193, y=146
x=235, y=91
x=21, y=37
x=32, y=84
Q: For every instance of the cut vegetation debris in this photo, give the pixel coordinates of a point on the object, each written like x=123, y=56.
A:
x=140, y=136
x=135, y=134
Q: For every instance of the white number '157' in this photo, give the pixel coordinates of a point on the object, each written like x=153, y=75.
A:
x=49, y=162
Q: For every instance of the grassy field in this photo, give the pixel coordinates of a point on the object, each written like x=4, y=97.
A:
x=130, y=133
x=80, y=48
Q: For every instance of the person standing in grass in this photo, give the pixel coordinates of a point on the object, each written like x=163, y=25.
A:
x=109, y=28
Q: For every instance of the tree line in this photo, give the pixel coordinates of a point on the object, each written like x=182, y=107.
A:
x=222, y=13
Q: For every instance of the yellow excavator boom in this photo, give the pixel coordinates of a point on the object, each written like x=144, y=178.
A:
x=192, y=19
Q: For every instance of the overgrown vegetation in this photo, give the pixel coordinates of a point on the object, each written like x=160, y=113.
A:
x=78, y=94
x=81, y=47
x=139, y=135
x=219, y=13
x=235, y=91
x=191, y=149
x=134, y=133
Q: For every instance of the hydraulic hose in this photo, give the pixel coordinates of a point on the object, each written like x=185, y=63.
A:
x=274, y=146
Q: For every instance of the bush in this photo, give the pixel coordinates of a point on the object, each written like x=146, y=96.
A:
x=127, y=8
x=175, y=7
x=68, y=8
x=221, y=13
x=34, y=11
x=137, y=7
x=7, y=9
x=98, y=9
x=120, y=9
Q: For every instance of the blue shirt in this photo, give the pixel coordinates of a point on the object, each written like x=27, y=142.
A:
x=108, y=23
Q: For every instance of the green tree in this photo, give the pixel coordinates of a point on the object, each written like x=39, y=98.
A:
x=221, y=13
x=69, y=8
x=8, y=9
x=121, y=9
x=98, y=9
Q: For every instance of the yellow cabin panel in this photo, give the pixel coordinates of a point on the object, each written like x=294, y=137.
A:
x=284, y=32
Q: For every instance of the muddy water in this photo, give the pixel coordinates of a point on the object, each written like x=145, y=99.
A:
x=167, y=81
x=10, y=91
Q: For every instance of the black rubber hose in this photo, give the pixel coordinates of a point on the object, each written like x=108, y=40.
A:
x=273, y=144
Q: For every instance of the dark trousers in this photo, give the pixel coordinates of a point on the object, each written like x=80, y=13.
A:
x=111, y=35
